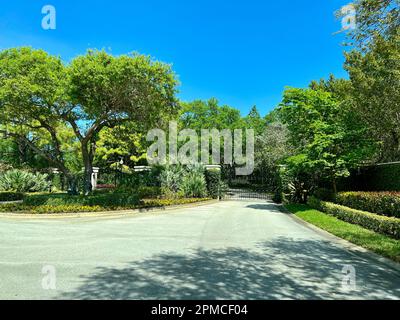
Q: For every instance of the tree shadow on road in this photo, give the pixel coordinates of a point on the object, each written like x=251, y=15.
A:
x=265, y=206
x=281, y=269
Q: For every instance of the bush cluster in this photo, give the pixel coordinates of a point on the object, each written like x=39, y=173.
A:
x=148, y=203
x=73, y=208
x=179, y=182
x=148, y=192
x=215, y=186
x=24, y=181
x=101, y=199
x=11, y=196
x=383, y=203
x=384, y=225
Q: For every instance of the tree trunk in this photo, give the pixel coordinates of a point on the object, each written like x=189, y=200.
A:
x=72, y=184
x=334, y=186
x=88, y=171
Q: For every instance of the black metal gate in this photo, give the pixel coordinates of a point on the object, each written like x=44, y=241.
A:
x=247, y=194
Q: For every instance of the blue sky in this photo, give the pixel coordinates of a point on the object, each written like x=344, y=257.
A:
x=242, y=52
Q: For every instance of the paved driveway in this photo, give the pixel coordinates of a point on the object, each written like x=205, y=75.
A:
x=227, y=250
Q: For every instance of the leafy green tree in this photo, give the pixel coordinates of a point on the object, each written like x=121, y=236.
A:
x=254, y=121
x=375, y=18
x=209, y=114
x=124, y=142
x=375, y=94
x=32, y=97
x=325, y=142
x=96, y=91
x=107, y=91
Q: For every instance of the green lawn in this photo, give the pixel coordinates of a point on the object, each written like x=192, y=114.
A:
x=373, y=241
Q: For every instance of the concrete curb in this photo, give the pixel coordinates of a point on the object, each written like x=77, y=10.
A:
x=105, y=214
x=349, y=246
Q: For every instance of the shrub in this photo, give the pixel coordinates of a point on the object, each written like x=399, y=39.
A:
x=23, y=181
x=11, y=196
x=215, y=186
x=144, y=178
x=72, y=208
x=170, y=179
x=324, y=194
x=148, y=192
x=102, y=199
x=384, y=225
x=193, y=184
x=383, y=203
x=148, y=203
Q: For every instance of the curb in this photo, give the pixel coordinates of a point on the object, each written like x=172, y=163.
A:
x=349, y=246
x=104, y=214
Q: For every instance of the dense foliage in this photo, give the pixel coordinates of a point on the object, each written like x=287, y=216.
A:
x=11, y=196
x=384, y=203
x=40, y=97
x=23, y=181
x=78, y=208
x=385, y=225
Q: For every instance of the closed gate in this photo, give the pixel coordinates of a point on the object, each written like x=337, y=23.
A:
x=247, y=194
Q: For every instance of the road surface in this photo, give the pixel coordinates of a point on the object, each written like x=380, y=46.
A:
x=226, y=250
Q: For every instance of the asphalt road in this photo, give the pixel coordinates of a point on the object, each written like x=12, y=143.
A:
x=227, y=250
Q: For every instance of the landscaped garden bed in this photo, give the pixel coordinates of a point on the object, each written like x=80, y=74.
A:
x=368, y=239
x=386, y=225
x=63, y=203
x=383, y=203
x=163, y=187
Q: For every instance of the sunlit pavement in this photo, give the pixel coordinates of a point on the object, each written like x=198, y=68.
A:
x=227, y=250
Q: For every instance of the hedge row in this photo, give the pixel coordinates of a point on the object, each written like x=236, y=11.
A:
x=383, y=203
x=100, y=199
x=73, y=208
x=384, y=225
x=11, y=196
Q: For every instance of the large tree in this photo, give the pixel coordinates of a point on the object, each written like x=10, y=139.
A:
x=39, y=93
x=209, y=114
x=327, y=144
x=375, y=79
x=374, y=18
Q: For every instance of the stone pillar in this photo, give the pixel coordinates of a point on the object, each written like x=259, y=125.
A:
x=95, y=174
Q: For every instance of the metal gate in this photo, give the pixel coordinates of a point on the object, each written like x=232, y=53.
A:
x=247, y=194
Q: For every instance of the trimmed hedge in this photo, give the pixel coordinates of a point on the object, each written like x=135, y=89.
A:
x=11, y=196
x=383, y=203
x=149, y=192
x=73, y=208
x=149, y=203
x=384, y=225
x=101, y=199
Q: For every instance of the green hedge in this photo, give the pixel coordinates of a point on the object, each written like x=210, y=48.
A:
x=384, y=225
x=11, y=196
x=73, y=208
x=384, y=177
x=149, y=192
x=384, y=203
x=101, y=199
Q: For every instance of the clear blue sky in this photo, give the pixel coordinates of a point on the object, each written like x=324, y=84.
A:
x=242, y=52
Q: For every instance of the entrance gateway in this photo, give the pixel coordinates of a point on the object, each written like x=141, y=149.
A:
x=247, y=194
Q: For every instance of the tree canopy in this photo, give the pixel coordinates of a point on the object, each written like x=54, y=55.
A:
x=39, y=94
